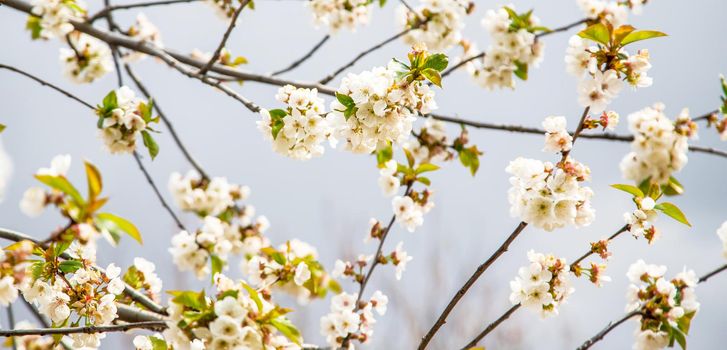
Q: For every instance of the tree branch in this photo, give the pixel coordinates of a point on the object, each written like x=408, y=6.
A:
x=151, y=325
x=166, y=121
x=226, y=36
x=108, y=9
x=45, y=83
x=299, y=61
x=442, y=319
x=611, y=325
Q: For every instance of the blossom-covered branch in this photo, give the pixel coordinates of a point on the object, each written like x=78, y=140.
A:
x=150, y=325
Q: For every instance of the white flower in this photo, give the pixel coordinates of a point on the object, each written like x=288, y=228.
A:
x=612, y=119
x=379, y=301
x=8, y=291
x=144, y=30
x=302, y=274
x=343, y=302
x=33, y=202
x=722, y=234
x=337, y=14
x=57, y=307
x=650, y=340
x=116, y=286
x=55, y=16
x=401, y=258
x=557, y=138
x=59, y=166
x=95, y=59
x=6, y=170
x=230, y=307
x=389, y=185
x=543, y=285
x=225, y=328
x=142, y=343
x=444, y=27
x=647, y=203
x=338, y=269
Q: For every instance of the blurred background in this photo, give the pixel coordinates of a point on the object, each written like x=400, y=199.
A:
x=328, y=201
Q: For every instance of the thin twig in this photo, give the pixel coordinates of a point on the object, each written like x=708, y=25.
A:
x=492, y=326
x=563, y=28
x=305, y=57
x=108, y=9
x=442, y=319
x=151, y=325
x=166, y=121
x=11, y=323
x=158, y=194
x=114, y=49
x=226, y=36
x=711, y=274
x=45, y=83
x=611, y=325
x=366, y=52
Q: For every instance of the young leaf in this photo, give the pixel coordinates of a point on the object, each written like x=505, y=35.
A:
x=254, y=296
x=673, y=187
x=345, y=99
x=33, y=25
x=621, y=32
x=93, y=177
x=62, y=184
x=2, y=128
x=597, y=32
x=633, y=190
x=425, y=167
x=70, y=266
x=437, y=61
x=424, y=180
x=384, y=155
x=110, y=102
x=194, y=300
x=673, y=211
x=217, y=265
x=115, y=223
x=469, y=157
x=409, y=157
x=521, y=71
x=433, y=76
x=640, y=35
x=157, y=343
x=150, y=144
x=286, y=327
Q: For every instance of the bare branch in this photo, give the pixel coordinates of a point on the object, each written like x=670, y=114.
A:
x=150, y=325
x=166, y=121
x=366, y=52
x=158, y=194
x=226, y=36
x=108, y=9
x=45, y=83
x=712, y=273
x=470, y=282
x=299, y=61
x=611, y=325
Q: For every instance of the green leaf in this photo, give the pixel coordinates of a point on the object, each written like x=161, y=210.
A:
x=437, y=61
x=521, y=71
x=254, y=296
x=409, y=157
x=382, y=3
x=469, y=157
x=424, y=180
x=621, y=32
x=673, y=187
x=673, y=211
x=633, y=190
x=150, y=144
x=33, y=25
x=645, y=185
x=679, y=337
x=93, y=177
x=640, y=35
x=110, y=101
x=685, y=322
x=60, y=247
x=433, y=76
x=425, y=167
x=384, y=155
x=278, y=257
x=194, y=300
x=2, y=128
x=345, y=99
x=115, y=223
x=158, y=344
x=62, y=184
x=217, y=265
x=70, y=266
x=286, y=327
x=597, y=32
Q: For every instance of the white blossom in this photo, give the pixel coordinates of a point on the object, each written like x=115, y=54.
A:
x=337, y=14
x=557, y=138
x=542, y=285
x=33, y=202
x=443, y=29
x=54, y=16
x=87, y=60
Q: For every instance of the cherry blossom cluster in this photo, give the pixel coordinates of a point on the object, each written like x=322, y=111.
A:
x=299, y=130
x=604, y=68
x=337, y=14
x=74, y=288
x=557, y=138
x=377, y=107
x=225, y=8
x=666, y=307
x=292, y=268
x=722, y=234
x=660, y=145
x=431, y=144
x=225, y=58
x=144, y=30
x=238, y=317
x=513, y=51
x=436, y=24
x=410, y=208
x=87, y=59
x=122, y=118
x=352, y=319
x=543, y=285
x=615, y=12
x=549, y=196
x=204, y=196
x=51, y=18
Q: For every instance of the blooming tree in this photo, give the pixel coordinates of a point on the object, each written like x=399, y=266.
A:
x=387, y=112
